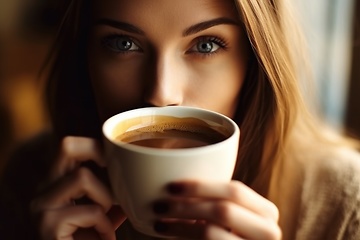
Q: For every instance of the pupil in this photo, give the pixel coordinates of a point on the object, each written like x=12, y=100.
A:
x=205, y=47
x=125, y=45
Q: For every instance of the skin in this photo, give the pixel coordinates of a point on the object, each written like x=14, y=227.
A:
x=164, y=67
x=163, y=55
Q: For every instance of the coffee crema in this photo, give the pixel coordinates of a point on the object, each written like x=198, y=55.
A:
x=174, y=133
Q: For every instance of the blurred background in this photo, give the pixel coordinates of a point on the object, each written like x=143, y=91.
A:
x=27, y=28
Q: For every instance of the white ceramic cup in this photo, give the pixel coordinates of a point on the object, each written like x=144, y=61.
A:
x=139, y=175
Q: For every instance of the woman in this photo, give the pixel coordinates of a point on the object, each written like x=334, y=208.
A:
x=294, y=179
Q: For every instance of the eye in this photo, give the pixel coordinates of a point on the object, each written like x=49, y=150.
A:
x=120, y=44
x=207, y=45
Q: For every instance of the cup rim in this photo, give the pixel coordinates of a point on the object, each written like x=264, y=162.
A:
x=109, y=124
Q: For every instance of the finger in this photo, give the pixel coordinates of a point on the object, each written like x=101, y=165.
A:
x=223, y=213
x=62, y=224
x=79, y=184
x=75, y=150
x=234, y=191
x=194, y=231
x=116, y=216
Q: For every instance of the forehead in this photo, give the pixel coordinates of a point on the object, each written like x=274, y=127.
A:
x=164, y=11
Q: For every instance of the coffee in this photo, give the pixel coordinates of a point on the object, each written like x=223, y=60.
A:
x=171, y=132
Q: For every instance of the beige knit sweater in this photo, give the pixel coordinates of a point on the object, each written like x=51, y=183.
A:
x=318, y=196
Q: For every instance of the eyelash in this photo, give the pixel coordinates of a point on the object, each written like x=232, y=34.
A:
x=223, y=45
x=106, y=42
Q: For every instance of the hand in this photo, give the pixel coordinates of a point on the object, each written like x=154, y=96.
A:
x=212, y=211
x=57, y=214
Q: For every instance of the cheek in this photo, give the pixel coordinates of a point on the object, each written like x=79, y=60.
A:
x=117, y=86
x=221, y=86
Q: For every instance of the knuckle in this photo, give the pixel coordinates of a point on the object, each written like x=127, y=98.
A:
x=273, y=211
x=97, y=211
x=207, y=234
x=273, y=233
x=235, y=191
x=84, y=176
x=212, y=231
x=68, y=144
x=222, y=211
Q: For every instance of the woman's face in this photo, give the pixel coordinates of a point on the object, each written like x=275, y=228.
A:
x=166, y=52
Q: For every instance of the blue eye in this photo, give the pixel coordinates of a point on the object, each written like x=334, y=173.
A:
x=207, y=45
x=120, y=44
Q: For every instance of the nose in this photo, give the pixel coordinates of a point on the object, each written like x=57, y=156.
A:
x=165, y=82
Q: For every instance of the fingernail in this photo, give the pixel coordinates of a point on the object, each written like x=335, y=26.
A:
x=160, y=207
x=160, y=227
x=175, y=188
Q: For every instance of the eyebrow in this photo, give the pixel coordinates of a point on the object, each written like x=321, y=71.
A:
x=120, y=25
x=208, y=24
x=189, y=31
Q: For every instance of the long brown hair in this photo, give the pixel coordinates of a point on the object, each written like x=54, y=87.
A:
x=69, y=94
x=277, y=119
